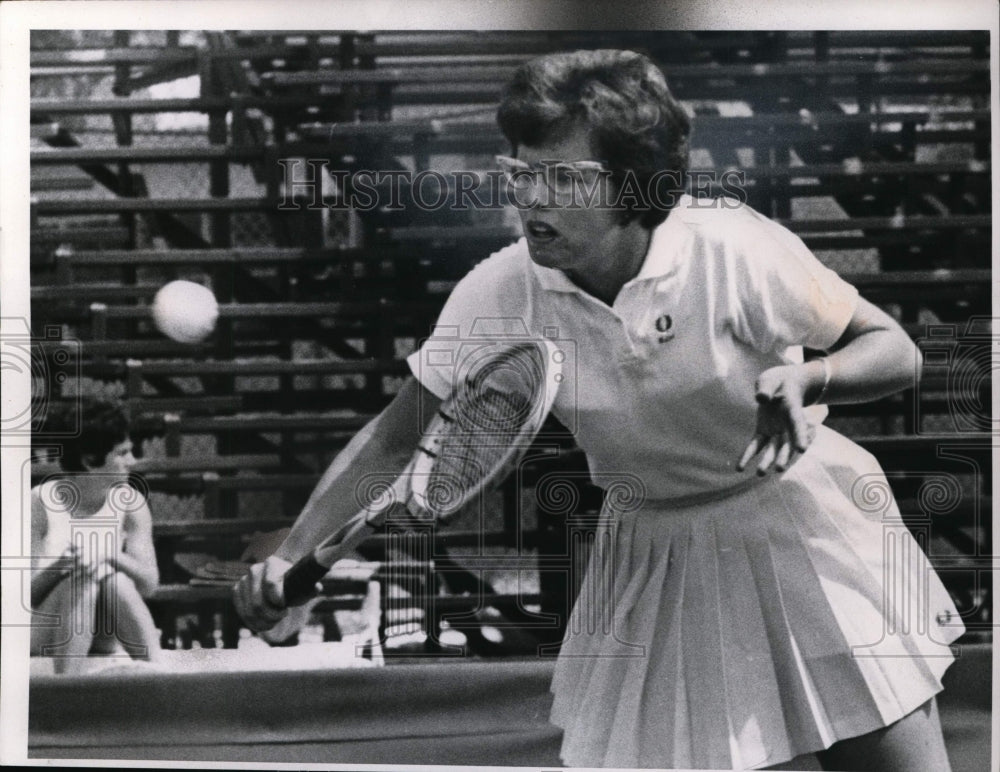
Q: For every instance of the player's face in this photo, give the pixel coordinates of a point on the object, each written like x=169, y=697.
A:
x=566, y=228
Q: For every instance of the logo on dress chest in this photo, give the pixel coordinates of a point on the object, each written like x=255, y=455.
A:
x=664, y=328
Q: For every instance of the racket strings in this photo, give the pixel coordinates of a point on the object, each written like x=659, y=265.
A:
x=478, y=440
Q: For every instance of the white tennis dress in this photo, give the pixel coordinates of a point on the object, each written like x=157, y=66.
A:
x=726, y=620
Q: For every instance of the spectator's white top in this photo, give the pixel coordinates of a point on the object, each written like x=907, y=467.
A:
x=661, y=384
x=99, y=536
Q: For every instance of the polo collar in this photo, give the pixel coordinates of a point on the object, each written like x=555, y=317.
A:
x=551, y=279
x=661, y=257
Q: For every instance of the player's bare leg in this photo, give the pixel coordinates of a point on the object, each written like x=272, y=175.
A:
x=915, y=743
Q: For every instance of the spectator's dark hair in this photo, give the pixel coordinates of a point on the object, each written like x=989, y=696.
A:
x=102, y=425
x=636, y=126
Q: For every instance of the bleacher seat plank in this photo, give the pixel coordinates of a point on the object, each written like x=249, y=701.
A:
x=88, y=292
x=812, y=68
x=770, y=129
x=266, y=367
x=134, y=347
x=118, y=205
x=229, y=526
x=845, y=241
x=765, y=121
x=133, y=105
x=443, y=131
x=236, y=153
x=862, y=169
x=500, y=73
x=43, y=130
x=140, y=348
x=247, y=255
x=903, y=445
x=132, y=56
x=273, y=423
x=165, y=154
x=59, y=184
x=200, y=463
x=116, y=235
x=484, y=234
x=41, y=106
x=936, y=279
x=525, y=45
x=392, y=75
x=897, y=38
x=259, y=310
x=200, y=403
x=915, y=222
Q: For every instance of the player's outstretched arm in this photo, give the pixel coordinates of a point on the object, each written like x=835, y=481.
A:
x=383, y=446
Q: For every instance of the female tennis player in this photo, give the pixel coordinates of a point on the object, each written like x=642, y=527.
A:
x=92, y=548
x=740, y=611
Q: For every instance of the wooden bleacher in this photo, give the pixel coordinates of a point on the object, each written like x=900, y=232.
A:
x=888, y=133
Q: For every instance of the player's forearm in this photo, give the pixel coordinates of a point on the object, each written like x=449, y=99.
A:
x=875, y=364
x=381, y=448
x=339, y=493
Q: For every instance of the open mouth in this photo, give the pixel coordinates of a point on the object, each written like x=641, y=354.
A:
x=536, y=230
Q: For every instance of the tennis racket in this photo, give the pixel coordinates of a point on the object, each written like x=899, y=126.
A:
x=501, y=397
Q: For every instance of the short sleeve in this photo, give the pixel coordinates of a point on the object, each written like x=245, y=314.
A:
x=784, y=296
x=490, y=302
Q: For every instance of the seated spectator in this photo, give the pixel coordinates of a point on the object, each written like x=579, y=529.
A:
x=93, y=559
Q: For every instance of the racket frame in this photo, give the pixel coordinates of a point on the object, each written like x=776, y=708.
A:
x=301, y=582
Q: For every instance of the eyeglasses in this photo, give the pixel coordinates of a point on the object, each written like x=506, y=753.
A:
x=561, y=177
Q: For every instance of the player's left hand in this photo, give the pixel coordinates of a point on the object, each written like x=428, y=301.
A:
x=782, y=426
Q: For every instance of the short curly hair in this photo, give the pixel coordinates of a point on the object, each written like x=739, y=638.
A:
x=636, y=125
x=102, y=425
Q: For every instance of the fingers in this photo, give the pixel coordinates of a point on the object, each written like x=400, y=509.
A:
x=768, y=387
x=85, y=564
x=783, y=433
x=775, y=453
x=784, y=455
x=769, y=454
x=758, y=442
x=274, y=574
x=257, y=614
x=783, y=429
x=258, y=596
x=67, y=561
x=798, y=426
x=100, y=571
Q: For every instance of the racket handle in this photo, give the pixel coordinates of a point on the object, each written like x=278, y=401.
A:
x=301, y=579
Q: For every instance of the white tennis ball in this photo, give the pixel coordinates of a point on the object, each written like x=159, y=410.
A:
x=185, y=311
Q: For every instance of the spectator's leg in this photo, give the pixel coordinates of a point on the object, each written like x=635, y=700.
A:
x=131, y=623
x=63, y=625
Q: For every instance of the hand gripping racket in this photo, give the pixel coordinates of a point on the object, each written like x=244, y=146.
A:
x=502, y=395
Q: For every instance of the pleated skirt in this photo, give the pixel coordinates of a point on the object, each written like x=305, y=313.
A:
x=743, y=632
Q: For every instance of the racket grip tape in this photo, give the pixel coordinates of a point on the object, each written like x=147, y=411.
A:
x=300, y=581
